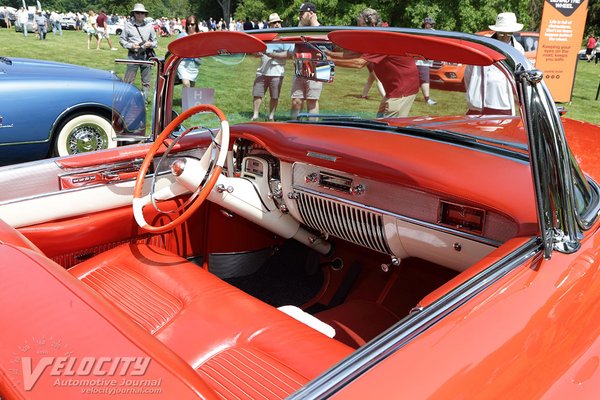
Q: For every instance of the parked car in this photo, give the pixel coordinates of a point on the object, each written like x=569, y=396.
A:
x=68, y=23
x=582, y=56
x=332, y=254
x=49, y=108
x=114, y=28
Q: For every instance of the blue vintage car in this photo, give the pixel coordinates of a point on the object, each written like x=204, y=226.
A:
x=55, y=109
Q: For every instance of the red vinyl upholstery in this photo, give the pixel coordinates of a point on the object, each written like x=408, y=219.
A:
x=242, y=347
x=10, y=235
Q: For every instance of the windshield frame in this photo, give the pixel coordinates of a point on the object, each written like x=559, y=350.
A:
x=554, y=170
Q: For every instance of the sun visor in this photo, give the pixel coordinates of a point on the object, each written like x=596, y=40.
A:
x=404, y=44
x=215, y=43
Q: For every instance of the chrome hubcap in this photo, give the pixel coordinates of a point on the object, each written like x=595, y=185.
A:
x=86, y=138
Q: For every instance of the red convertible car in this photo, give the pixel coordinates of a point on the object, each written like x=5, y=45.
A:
x=349, y=249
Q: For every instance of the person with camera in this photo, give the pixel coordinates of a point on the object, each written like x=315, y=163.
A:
x=139, y=38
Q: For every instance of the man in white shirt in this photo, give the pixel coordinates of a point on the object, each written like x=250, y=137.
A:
x=487, y=88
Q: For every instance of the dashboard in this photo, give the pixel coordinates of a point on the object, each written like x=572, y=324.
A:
x=391, y=219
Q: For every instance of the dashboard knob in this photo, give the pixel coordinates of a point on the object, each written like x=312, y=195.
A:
x=358, y=190
x=312, y=178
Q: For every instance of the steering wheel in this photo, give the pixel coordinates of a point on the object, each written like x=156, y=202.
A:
x=191, y=175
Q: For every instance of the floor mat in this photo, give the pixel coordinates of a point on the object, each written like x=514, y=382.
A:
x=291, y=276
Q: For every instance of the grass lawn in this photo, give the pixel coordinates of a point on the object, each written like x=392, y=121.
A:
x=72, y=48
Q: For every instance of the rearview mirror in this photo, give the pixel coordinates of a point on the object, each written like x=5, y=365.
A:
x=314, y=70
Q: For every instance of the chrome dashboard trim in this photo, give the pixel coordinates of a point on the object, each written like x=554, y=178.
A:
x=321, y=156
x=411, y=203
x=425, y=224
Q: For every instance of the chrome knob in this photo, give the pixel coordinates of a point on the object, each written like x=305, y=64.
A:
x=312, y=178
x=358, y=190
x=178, y=166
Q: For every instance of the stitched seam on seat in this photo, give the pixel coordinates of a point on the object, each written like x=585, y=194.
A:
x=115, y=292
x=240, y=381
x=169, y=305
x=147, y=304
x=222, y=370
x=212, y=378
x=264, y=369
x=111, y=295
x=246, y=374
x=139, y=299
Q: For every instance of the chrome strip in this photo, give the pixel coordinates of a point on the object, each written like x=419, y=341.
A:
x=322, y=156
x=550, y=166
x=409, y=328
x=429, y=225
x=60, y=192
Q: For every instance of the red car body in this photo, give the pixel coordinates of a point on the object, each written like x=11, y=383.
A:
x=454, y=256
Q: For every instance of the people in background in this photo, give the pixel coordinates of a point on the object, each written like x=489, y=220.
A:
x=487, y=88
x=303, y=89
x=398, y=75
x=424, y=65
x=91, y=27
x=23, y=19
x=270, y=72
x=101, y=23
x=139, y=38
x=187, y=70
x=370, y=17
x=591, y=44
x=248, y=26
x=6, y=16
x=41, y=25
x=55, y=21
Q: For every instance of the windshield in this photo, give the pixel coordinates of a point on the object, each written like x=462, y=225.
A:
x=341, y=86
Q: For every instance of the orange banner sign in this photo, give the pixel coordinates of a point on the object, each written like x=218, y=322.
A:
x=561, y=33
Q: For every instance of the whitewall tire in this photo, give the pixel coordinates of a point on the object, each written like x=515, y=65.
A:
x=84, y=133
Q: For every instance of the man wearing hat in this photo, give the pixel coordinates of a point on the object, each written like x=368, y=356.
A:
x=506, y=24
x=270, y=72
x=307, y=15
x=139, y=39
x=488, y=90
x=302, y=89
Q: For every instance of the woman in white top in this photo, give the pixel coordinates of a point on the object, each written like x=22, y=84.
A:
x=187, y=70
x=92, y=27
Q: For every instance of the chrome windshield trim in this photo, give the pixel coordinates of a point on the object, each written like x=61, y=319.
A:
x=409, y=328
x=551, y=166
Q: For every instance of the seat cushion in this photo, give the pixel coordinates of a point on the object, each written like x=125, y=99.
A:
x=208, y=322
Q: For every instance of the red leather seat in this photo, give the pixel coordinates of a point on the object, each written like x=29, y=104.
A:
x=241, y=346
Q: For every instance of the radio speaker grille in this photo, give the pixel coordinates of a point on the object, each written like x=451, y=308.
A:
x=351, y=223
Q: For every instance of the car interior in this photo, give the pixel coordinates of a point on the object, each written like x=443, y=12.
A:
x=306, y=239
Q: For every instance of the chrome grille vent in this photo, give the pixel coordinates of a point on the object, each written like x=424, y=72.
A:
x=344, y=221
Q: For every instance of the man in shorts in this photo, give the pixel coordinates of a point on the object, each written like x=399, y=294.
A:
x=103, y=30
x=270, y=72
x=303, y=89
